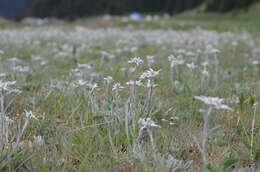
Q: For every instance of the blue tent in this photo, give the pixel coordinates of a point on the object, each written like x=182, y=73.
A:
x=11, y=8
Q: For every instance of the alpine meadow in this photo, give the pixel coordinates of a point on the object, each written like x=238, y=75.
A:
x=114, y=93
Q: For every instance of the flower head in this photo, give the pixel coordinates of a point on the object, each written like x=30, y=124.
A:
x=134, y=83
x=205, y=72
x=150, y=74
x=175, y=61
x=191, y=66
x=148, y=123
x=216, y=102
x=29, y=115
x=6, y=86
x=117, y=87
x=136, y=60
x=81, y=82
x=108, y=79
x=92, y=86
x=214, y=51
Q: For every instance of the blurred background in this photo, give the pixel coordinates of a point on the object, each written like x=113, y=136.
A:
x=74, y=9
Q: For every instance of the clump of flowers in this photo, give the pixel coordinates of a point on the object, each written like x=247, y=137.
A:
x=145, y=132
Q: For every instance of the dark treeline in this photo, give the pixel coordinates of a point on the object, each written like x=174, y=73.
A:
x=80, y=8
x=227, y=5
x=12, y=8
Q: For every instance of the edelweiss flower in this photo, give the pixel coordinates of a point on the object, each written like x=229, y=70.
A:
x=255, y=62
x=5, y=86
x=205, y=73
x=175, y=61
x=85, y=66
x=92, y=86
x=81, y=82
x=216, y=102
x=22, y=68
x=117, y=87
x=136, y=60
x=29, y=115
x=148, y=123
x=108, y=79
x=150, y=74
x=136, y=83
x=205, y=63
x=192, y=65
x=213, y=51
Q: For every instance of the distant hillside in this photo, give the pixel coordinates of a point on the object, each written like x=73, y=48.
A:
x=12, y=8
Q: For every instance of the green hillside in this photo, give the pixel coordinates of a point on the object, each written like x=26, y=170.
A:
x=236, y=20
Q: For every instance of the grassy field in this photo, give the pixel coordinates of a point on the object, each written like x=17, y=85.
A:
x=178, y=94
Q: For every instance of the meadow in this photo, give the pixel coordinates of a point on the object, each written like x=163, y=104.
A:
x=74, y=98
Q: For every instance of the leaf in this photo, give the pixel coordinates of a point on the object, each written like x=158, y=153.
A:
x=257, y=155
x=229, y=162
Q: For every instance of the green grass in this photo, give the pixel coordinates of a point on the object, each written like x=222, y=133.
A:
x=235, y=20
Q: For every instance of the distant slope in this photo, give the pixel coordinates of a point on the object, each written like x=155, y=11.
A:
x=236, y=20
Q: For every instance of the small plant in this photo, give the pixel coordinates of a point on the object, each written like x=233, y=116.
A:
x=213, y=103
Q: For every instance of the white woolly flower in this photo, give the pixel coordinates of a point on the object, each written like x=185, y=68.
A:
x=6, y=86
x=85, y=66
x=81, y=82
x=88, y=85
x=175, y=61
x=136, y=60
x=108, y=79
x=216, y=102
x=191, y=65
x=22, y=68
x=150, y=74
x=92, y=86
x=148, y=123
x=134, y=83
x=205, y=63
x=255, y=62
x=29, y=115
x=117, y=87
x=205, y=73
x=213, y=51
